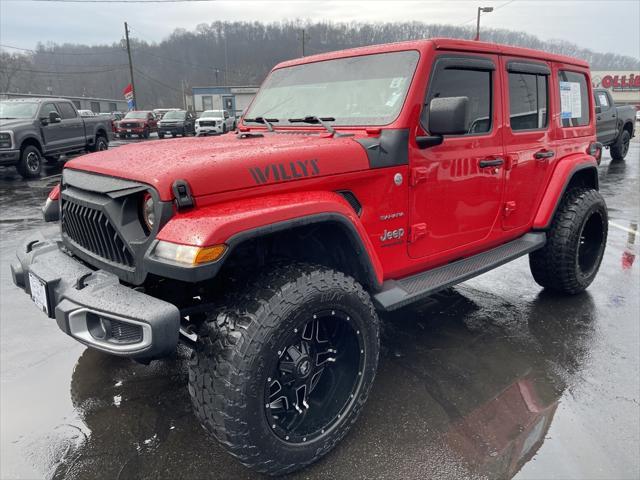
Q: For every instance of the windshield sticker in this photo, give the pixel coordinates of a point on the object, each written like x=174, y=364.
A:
x=603, y=99
x=570, y=100
x=396, y=82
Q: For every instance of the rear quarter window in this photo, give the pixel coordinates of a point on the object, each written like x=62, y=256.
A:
x=574, y=99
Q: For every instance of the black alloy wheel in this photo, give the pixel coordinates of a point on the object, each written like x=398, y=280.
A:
x=317, y=375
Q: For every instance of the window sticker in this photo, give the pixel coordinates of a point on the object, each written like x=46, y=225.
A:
x=570, y=103
x=396, y=82
x=603, y=99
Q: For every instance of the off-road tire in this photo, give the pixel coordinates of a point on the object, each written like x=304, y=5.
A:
x=559, y=265
x=620, y=149
x=224, y=128
x=229, y=367
x=161, y=135
x=30, y=163
x=145, y=133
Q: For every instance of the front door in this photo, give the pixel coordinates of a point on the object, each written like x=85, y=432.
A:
x=606, y=121
x=529, y=151
x=457, y=185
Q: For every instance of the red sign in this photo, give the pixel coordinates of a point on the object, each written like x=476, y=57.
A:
x=128, y=91
x=621, y=82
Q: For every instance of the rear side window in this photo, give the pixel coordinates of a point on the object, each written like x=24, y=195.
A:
x=602, y=101
x=66, y=110
x=574, y=99
x=473, y=84
x=527, y=101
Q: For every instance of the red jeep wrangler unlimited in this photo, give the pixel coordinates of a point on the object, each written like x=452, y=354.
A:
x=358, y=181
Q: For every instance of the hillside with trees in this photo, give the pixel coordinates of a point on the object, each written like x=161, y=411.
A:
x=228, y=53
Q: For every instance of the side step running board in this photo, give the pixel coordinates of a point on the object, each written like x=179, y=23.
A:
x=398, y=293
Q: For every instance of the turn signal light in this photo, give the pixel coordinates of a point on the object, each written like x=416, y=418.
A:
x=595, y=150
x=188, y=254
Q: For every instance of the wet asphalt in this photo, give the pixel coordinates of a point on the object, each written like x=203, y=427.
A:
x=492, y=379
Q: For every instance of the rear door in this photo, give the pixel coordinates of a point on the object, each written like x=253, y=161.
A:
x=71, y=127
x=606, y=118
x=527, y=138
x=457, y=185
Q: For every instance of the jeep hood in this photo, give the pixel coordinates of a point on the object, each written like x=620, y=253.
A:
x=217, y=164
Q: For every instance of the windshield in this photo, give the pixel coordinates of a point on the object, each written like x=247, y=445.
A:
x=212, y=113
x=365, y=90
x=174, y=115
x=10, y=110
x=136, y=115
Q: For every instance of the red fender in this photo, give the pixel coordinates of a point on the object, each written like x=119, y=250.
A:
x=564, y=171
x=219, y=223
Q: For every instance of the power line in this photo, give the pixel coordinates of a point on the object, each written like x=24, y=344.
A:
x=59, y=53
x=111, y=1
x=181, y=62
x=475, y=18
x=45, y=72
x=144, y=75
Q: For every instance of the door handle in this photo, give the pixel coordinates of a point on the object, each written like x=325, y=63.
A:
x=598, y=117
x=543, y=154
x=490, y=162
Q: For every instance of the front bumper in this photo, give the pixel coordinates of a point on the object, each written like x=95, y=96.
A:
x=205, y=129
x=9, y=157
x=132, y=130
x=172, y=130
x=93, y=307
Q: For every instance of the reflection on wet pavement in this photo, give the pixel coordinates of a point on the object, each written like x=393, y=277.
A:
x=492, y=379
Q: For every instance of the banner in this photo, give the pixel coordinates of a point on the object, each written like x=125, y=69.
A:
x=128, y=95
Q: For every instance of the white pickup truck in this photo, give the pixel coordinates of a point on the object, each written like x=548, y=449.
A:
x=215, y=121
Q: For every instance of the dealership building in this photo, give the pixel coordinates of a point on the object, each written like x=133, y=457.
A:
x=234, y=99
x=624, y=86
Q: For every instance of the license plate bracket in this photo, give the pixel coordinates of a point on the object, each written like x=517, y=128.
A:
x=40, y=293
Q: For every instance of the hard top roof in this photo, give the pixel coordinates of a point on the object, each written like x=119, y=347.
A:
x=471, y=46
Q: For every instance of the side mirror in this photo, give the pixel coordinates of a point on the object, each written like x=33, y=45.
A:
x=54, y=117
x=598, y=109
x=448, y=116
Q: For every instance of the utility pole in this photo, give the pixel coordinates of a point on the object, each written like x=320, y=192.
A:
x=304, y=40
x=133, y=85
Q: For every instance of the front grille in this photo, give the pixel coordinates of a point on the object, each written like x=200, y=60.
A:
x=91, y=229
x=123, y=332
x=129, y=125
x=208, y=123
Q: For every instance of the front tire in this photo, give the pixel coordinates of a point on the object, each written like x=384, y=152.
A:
x=281, y=373
x=101, y=144
x=30, y=164
x=620, y=149
x=570, y=260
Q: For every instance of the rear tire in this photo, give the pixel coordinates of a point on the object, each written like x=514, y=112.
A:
x=101, y=144
x=30, y=163
x=620, y=149
x=570, y=260
x=251, y=374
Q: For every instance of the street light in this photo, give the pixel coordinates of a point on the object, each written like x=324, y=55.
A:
x=484, y=10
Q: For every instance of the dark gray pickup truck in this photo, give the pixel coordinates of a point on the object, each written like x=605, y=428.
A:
x=614, y=125
x=33, y=129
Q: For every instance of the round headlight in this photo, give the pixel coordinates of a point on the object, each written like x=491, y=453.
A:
x=148, y=211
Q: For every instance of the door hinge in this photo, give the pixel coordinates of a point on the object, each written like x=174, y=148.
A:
x=418, y=175
x=509, y=208
x=417, y=231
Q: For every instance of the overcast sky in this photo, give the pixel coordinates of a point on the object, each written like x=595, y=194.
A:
x=601, y=25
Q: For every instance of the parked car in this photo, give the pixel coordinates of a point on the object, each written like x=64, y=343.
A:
x=215, y=121
x=403, y=170
x=137, y=122
x=160, y=112
x=36, y=129
x=615, y=125
x=177, y=122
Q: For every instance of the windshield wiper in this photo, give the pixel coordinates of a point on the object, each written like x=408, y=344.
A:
x=265, y=121
x=8, y=118
x=312, y=119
